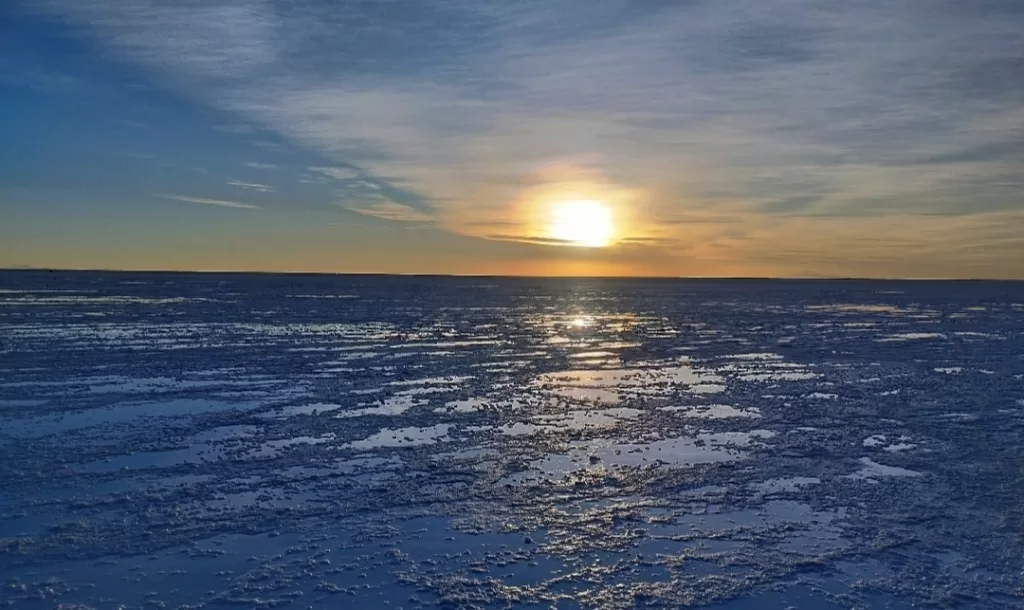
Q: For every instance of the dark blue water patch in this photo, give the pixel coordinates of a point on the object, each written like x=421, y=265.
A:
x=20, y=407
x=801, y=597
x=196, y=574
x=538, y=568
x=133, y=414
x=148, y=459
x=207, y=446
x=423, y=538
x=32, y=522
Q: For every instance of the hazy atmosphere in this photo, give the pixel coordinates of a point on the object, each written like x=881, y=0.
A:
x=680, y=138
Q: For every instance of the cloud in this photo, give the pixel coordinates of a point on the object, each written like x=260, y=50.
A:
x=255, y=165
x=217, y=202
x=779, y=115
x=237, y=129
x=540, y=241
x=629, y=242
x=268, y=145
x=337, y=173
x=388, y=210
x=251, y=186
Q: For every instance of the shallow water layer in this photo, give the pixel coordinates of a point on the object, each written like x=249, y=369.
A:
x=227, y=440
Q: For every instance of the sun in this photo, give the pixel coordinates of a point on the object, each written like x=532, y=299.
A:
x=582, y=222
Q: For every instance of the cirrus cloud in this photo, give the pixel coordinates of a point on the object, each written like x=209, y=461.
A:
x=753, y=120
x=223, y=203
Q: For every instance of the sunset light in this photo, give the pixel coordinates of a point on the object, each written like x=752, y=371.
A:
x=479, y=303
x=584, y=223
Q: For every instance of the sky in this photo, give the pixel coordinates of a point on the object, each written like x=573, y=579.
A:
x=878, y=138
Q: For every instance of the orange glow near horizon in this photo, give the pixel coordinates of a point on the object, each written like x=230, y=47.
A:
x=571, y=205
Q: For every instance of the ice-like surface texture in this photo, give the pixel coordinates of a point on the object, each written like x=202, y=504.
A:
x=223, y=441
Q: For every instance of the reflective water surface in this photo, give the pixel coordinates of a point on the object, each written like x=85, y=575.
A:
x=218, y=440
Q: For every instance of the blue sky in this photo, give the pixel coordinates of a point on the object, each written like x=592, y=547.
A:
x=730, y=137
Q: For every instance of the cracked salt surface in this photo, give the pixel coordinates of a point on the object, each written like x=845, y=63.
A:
x=428, y=442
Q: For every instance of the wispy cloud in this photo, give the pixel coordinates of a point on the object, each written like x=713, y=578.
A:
x=337, y=173
x=777, y=115
x=543, y=241
x=238, y=129
x=217, y=202
x=256, y=165
x=251, y=186
x=388, y=210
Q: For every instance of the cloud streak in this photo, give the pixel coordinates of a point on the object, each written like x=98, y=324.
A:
x=224, y=203
x=747, y=117
x=388, y=210
x=251, y=186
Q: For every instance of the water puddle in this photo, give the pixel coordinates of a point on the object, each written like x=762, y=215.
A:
x=119, y=414
x=873, y=470
x=766, y=366
x=404, y=437
x=310, y=409
x=600, y=456
x=614, y=385
x=275, y=448
x=900, y=337
x=395, y=405
x=713, y=412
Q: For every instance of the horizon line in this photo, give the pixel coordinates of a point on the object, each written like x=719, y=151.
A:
x=515, y=276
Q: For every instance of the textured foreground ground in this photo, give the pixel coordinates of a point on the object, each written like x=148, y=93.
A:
x=215, y=440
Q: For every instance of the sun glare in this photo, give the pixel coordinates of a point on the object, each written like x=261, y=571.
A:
x=582, y=223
